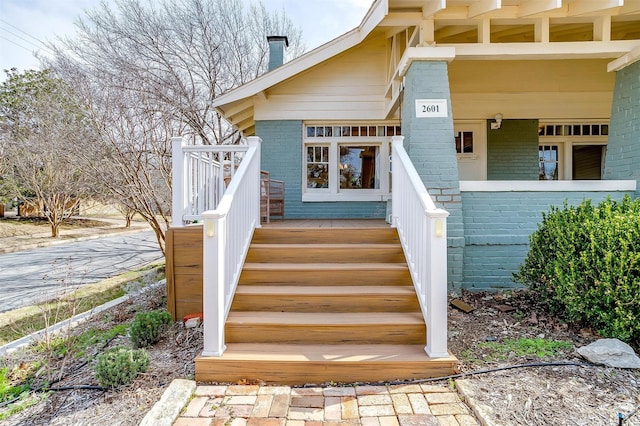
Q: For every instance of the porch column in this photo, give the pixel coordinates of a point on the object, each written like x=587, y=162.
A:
x=427, y=125
x=623, y=148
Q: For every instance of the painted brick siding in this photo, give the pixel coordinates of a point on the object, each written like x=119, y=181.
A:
x=512, y=150
x=497, y=227
x=430, y=145
x=623, y=150
x=282, y=158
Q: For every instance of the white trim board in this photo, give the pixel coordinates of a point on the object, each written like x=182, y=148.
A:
x=547, y=186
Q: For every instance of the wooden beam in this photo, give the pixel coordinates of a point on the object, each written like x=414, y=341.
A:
x=401, y=19
x=432, y=7
x=630, y=7
x=481, y=7
x=584, y=7
x=533, y=7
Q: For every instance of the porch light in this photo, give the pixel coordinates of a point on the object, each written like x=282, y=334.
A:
x=497, y=122
x=439, y=228
x=209, y=228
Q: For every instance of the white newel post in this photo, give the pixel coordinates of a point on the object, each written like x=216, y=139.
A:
x=256, y=141
x=213, y=285
x=396, y=141
x=177, y=182
x=436, y=292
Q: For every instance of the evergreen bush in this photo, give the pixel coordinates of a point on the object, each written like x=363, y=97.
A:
x=147, y=327
x=119, y=366
x=584, y=264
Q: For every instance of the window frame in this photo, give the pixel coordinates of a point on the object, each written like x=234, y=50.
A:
x=334, y=193
x=565, y=138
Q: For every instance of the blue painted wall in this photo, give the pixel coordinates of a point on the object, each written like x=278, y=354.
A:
x=497, y=228
x=623, y=149
x=430, y=144
x=282, y=158
x=512, y=150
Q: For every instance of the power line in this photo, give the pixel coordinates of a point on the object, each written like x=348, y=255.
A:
x=23, y=32
x=19, y=45
x=27, y=41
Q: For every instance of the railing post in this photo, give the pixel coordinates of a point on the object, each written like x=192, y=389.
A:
x=256, y=141
x=178, y=203
x=213, y=283
x=396, y=141
x=436, y=291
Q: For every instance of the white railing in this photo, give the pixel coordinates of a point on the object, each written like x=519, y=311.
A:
x=423, y=232
x=227, y=235
x=198, y=177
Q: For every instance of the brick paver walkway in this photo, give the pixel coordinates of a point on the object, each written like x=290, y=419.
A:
x=401, y=405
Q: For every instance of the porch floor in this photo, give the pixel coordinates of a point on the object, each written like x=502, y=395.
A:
x=327, y=223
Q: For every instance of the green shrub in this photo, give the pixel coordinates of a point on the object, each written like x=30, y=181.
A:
x=584, y=264
x=119, y=366
x=147, y=327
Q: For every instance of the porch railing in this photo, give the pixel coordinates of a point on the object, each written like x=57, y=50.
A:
x=200, y=174
x=227, y=235
x=423, y=232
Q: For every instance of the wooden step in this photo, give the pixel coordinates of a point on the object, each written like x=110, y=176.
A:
x=406, y=328
x=360, y=235
x=326, y=274
x=326, y=299
x=325, y=253
x=304, y=364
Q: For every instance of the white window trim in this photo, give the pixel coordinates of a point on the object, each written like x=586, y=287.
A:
x=334, y=193
x=566, y=143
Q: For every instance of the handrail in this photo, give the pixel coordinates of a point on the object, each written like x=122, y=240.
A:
x=227, y=234
x=422, y=228
x=198, y=177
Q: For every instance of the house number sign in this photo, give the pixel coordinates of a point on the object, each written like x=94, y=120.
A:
x=431, y=108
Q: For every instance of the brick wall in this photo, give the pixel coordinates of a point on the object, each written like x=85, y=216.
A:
x=431, y=147
x=512, y=150
x=282, y=157
x=497, y=227
x=623, y=149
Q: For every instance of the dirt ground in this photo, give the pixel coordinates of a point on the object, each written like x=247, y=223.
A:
x=558, y=395
x=549, y=395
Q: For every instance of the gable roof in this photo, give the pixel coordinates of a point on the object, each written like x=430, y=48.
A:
x=487, y=29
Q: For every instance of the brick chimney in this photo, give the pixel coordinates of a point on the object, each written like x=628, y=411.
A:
x=277, y=44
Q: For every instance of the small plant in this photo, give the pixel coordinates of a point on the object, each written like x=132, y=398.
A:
x=7, y=390
x=147, y=327
x=119, y=366
x=525, y=347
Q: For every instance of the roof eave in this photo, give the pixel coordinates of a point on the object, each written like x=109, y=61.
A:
x=374, y=16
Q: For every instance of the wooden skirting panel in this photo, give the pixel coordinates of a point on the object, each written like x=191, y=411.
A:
x=184, y=271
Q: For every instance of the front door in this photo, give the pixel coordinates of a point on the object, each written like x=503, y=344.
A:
x=471, y=149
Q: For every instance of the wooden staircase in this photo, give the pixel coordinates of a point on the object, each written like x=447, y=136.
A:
x=317, y=305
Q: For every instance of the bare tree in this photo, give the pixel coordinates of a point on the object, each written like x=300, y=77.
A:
x=45, y=126
x=149, y=70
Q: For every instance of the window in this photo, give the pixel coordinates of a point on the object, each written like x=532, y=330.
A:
x=359, y=167
x=347, y=162
x=317, y=166
x=464, y=142
x=572, y=151
x=548, y=158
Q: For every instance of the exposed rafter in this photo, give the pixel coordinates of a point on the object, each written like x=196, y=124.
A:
x=533, y=7
x=484, y=6
x=432, y=7
x=584, y=7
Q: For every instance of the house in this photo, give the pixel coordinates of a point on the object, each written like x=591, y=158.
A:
x=499, y=108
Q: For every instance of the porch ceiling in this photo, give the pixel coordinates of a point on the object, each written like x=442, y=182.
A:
x=476, y=29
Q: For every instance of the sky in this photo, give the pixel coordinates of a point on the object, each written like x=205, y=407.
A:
x=25, y=25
